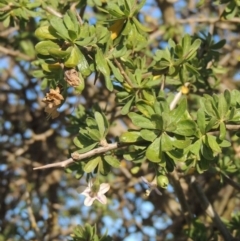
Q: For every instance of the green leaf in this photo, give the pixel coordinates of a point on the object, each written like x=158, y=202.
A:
x=177, y=114
x=166, y=143
x=223, y=106
x=127, y=28
x=127, y=106
x=115, y=10
x=141, y=121
x=203, y=165
x=102, y=66
x=196, y=44
x=37, y=73
x=72, y=34
x=46, y=32
x=86, y=41
x=153, y=152
x=148, y=96
x=168, y=162
x=186, y=128
x=91, y=122
x=74, y=20
x=206, y=152
x=157, y=121
x=93, y=134
x=68, y=22
x=112, y=161
x=104, y=167
x=208, y=106
x=201, y=120
x=181, y=144
x=44, y=46
x=176, y=155
x=186, y=43
x=195, y=147
x=211, y=124
x=210, y=140
x=145, y=108
x=82, y=140
x=219, y=44
x=83, y=65
x=148, y=135
x=116, y=71
x=52, y=68
x=92, y=164
x=230, y=10
x=57, y=24
x=100, y=122
x=225, y=143
x=223, y=131
x=74, y=58
x=57, y=53
x=140, y=27
x=87, y=148
x=139, y=6
x=130, y=137
x=6, y=21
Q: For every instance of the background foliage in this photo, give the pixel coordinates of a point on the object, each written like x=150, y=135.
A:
x=120, y=90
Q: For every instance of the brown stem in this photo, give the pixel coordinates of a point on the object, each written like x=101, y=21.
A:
x=77, y=157
x=123, y=72
x=181, y=196
x=15, y=54
x=208, y=208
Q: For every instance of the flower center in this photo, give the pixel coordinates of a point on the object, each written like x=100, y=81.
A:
x=94, y=191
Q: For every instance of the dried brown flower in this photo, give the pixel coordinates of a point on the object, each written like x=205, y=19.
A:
x=53, y=100
x=72, y=78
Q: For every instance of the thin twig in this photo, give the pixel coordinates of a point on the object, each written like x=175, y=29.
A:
x=123, y=72
x=6, y=8
x=208, y=208
x=8, y=31
x=208, y=20
x=15, y=53
x=233, y=127
x=163, y=83
x=73, y=8
x=177, y=97
x=181, y=197
x=231, y=182
x=77, y=157
x=32, y=217
x=53, y=11
x=174, y=175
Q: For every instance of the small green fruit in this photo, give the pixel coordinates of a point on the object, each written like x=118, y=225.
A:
x=162, y=181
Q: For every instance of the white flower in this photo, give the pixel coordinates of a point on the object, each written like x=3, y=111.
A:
x=95, y=192
x=151, y=186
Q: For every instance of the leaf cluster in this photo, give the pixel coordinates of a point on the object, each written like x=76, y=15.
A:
x=88, y=233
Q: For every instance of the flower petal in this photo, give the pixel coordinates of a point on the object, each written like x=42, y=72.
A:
x=89, y=201
x=86, y=192
x=104, y=187
x=102, y=199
